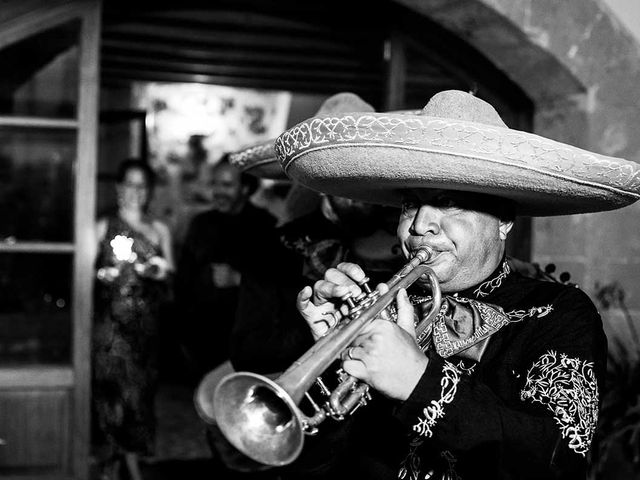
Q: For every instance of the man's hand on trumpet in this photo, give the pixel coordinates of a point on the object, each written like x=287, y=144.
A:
x=322, y=306
x=385, y=355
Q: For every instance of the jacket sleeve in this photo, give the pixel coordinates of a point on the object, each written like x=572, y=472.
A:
x=268, y=333
x=268, y=336
x=544, y=428
x=186, y=270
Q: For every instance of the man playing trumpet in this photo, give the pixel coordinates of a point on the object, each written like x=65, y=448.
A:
x=505, y=381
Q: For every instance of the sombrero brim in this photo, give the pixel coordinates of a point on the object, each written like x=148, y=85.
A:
x=260, y=161
x=377, y=158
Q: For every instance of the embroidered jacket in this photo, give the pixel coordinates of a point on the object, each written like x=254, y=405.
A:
x=512, y=386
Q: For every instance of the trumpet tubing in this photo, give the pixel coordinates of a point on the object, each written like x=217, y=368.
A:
x=261, y=417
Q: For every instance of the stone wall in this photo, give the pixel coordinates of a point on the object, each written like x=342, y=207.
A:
x=600, y=53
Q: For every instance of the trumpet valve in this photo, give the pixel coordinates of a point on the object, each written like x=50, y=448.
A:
x=365, y=397
x=364, y=285
x=365, y=289
x=348, y=299
x=355, y=303
x=364, y=301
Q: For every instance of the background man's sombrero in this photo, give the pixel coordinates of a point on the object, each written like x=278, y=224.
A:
x=457, y=142
x=260, y=159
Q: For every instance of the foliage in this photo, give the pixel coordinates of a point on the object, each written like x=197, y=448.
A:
x=534, y=270
x=619, y=419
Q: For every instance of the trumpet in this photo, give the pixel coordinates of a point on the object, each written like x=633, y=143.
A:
x=261, y=417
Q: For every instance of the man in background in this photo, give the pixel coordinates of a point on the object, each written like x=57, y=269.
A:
x=216, y=252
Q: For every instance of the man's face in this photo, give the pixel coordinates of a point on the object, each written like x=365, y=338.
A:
x=468, y=244
x=228, y=193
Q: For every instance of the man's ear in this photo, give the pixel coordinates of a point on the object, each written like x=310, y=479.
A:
x=505, y=228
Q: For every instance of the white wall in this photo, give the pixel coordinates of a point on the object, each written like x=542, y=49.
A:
x=628, y=12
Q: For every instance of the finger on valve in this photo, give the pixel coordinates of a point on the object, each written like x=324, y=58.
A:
x=352, y=271
x=342, y=279
x=326, y=291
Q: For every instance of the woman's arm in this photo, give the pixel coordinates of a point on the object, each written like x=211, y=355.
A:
x=162, y=266
x=104, y=273
x=166, y=242
x=100, y=229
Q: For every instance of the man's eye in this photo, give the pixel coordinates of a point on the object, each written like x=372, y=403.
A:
x=444, y=201
x=409, y=207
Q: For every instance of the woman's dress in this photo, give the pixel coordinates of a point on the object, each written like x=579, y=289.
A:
x=125, y=366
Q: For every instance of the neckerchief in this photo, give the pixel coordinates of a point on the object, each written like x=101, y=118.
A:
x=463, y=324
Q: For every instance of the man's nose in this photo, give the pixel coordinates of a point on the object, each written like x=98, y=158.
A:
x=426, y=221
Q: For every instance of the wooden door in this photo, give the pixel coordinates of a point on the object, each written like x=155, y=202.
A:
x=48, y=119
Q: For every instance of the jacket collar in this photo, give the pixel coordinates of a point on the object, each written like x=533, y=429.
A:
x=490, y=285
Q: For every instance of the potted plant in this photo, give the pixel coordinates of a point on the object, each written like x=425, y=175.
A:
x=615, y=449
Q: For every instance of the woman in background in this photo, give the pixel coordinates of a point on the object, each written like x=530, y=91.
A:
x=134, y=267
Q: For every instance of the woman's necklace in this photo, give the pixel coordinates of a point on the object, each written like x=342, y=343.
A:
x=138, y=222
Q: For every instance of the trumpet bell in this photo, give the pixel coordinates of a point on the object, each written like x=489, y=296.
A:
x=259, y=418
x=203, y=395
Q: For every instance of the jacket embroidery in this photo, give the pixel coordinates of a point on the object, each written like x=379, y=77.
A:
x=493, y=283
x=538, y=312
x=434, y=411
x=410, y=466
x=464, y=368
x=568, y=388
x=451, y=460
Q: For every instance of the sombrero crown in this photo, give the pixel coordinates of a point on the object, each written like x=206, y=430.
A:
x=457, y=142
x=260, y=159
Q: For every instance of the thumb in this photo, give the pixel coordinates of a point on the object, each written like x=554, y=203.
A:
x=405, y=313
x=303, y=299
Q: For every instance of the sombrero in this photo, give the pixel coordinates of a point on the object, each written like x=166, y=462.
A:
x=260, y=159
x=457, y=142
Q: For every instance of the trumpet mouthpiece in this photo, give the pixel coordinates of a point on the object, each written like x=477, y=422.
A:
x=424, y=254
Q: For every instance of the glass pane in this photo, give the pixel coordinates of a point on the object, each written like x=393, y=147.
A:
x=35, y=308
x=40, y=74
x=36, y=184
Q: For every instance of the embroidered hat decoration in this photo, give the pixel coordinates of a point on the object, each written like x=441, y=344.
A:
x=260, y=159
x=457, y=142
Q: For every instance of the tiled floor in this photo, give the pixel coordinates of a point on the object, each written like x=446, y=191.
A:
x=180, y=434
x=181, y=449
